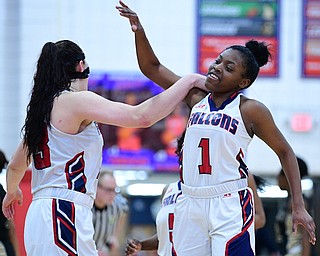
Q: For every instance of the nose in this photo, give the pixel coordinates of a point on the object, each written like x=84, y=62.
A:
x=217, y=68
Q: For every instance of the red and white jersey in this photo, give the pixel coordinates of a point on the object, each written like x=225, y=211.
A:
x=165, y=219
x=215, y=144
x=68, y=161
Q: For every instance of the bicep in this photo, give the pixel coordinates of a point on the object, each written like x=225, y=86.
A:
x=96, y=108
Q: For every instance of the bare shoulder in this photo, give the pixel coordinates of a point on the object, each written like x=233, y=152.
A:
x=254, y=113
x=69, y=109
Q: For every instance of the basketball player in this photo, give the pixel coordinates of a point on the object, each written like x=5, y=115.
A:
x=162, y=240
x=63, y=142
x=214, y=214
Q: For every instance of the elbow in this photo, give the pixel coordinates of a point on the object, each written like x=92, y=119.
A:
x=142, y=121
x=145, y=122
x=149, y=69
x=12, y=167
x=260, y=221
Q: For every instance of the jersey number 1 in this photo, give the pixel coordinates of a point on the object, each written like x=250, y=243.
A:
x=205, y=167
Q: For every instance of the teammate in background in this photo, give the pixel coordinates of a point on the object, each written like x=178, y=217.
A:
x=9, y=245
x=162, y=240
x=62, y=141
x=293, y=244
x=109, y=215
x=255, y=183
x=219, y=131
x=265, y=236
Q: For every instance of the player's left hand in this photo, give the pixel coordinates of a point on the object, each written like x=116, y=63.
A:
x=9, y=202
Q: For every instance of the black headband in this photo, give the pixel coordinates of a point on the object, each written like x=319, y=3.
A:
x=81, y=75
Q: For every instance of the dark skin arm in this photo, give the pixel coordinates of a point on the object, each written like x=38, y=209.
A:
x=149, y=244
x=148, y=62
x=259, y=122
x=256, y=116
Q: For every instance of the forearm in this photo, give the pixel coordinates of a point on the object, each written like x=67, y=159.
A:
x=14, y=178
x=16, y=169
x=149, y=64
x=164, y=103
x=150, y=244
x=291, y=170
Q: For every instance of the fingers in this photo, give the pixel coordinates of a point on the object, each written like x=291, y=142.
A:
x=310, y=227
x=125, y=10
x=8, y=212
x=312, y=233
x=123, y=4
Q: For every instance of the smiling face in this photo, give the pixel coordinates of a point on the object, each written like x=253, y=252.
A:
x=226, y=73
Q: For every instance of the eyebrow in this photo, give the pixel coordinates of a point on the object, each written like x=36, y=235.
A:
x=229, y=61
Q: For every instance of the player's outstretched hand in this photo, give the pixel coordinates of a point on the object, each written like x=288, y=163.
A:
x=9, y=201
x=133, y=247
x=303, y=218
x=125, y=11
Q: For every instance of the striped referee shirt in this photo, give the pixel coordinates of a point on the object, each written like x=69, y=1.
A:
x=105, y=221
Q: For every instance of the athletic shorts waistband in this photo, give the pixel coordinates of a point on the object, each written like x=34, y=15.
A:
x=65, y=194
x=216, y=190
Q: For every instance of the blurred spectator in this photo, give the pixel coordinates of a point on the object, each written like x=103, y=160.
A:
x=129, y=138
x=109, y=216
x=175, y=124
x=8, y=237
x=291, y=244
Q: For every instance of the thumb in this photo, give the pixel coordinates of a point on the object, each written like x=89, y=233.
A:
x=134, y=28
x=294, y=228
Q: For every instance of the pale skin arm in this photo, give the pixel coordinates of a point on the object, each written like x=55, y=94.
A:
x=148, y=62
x=259, y=121
x=92, y=107
x=15, y=172
x=85, y=107
x=260, y=217
x=149, y=244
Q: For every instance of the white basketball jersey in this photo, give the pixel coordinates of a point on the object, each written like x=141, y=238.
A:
x=68, y=161
x=215, y=144
x=165, y=219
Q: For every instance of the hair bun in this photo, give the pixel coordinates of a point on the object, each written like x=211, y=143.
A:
x=260, y=51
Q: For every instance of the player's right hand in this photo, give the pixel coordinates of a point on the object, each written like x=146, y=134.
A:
x=9, y=201
x=133, y=246
x=125, y=11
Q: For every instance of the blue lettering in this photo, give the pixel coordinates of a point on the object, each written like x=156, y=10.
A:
x=225, y=122
x=234, y=126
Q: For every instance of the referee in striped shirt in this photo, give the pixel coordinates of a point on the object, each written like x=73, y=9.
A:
x=109, y=212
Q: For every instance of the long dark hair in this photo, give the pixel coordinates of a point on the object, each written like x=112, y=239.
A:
x=54, y=74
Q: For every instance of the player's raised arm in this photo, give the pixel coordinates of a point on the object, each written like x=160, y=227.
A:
x=148, y=62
